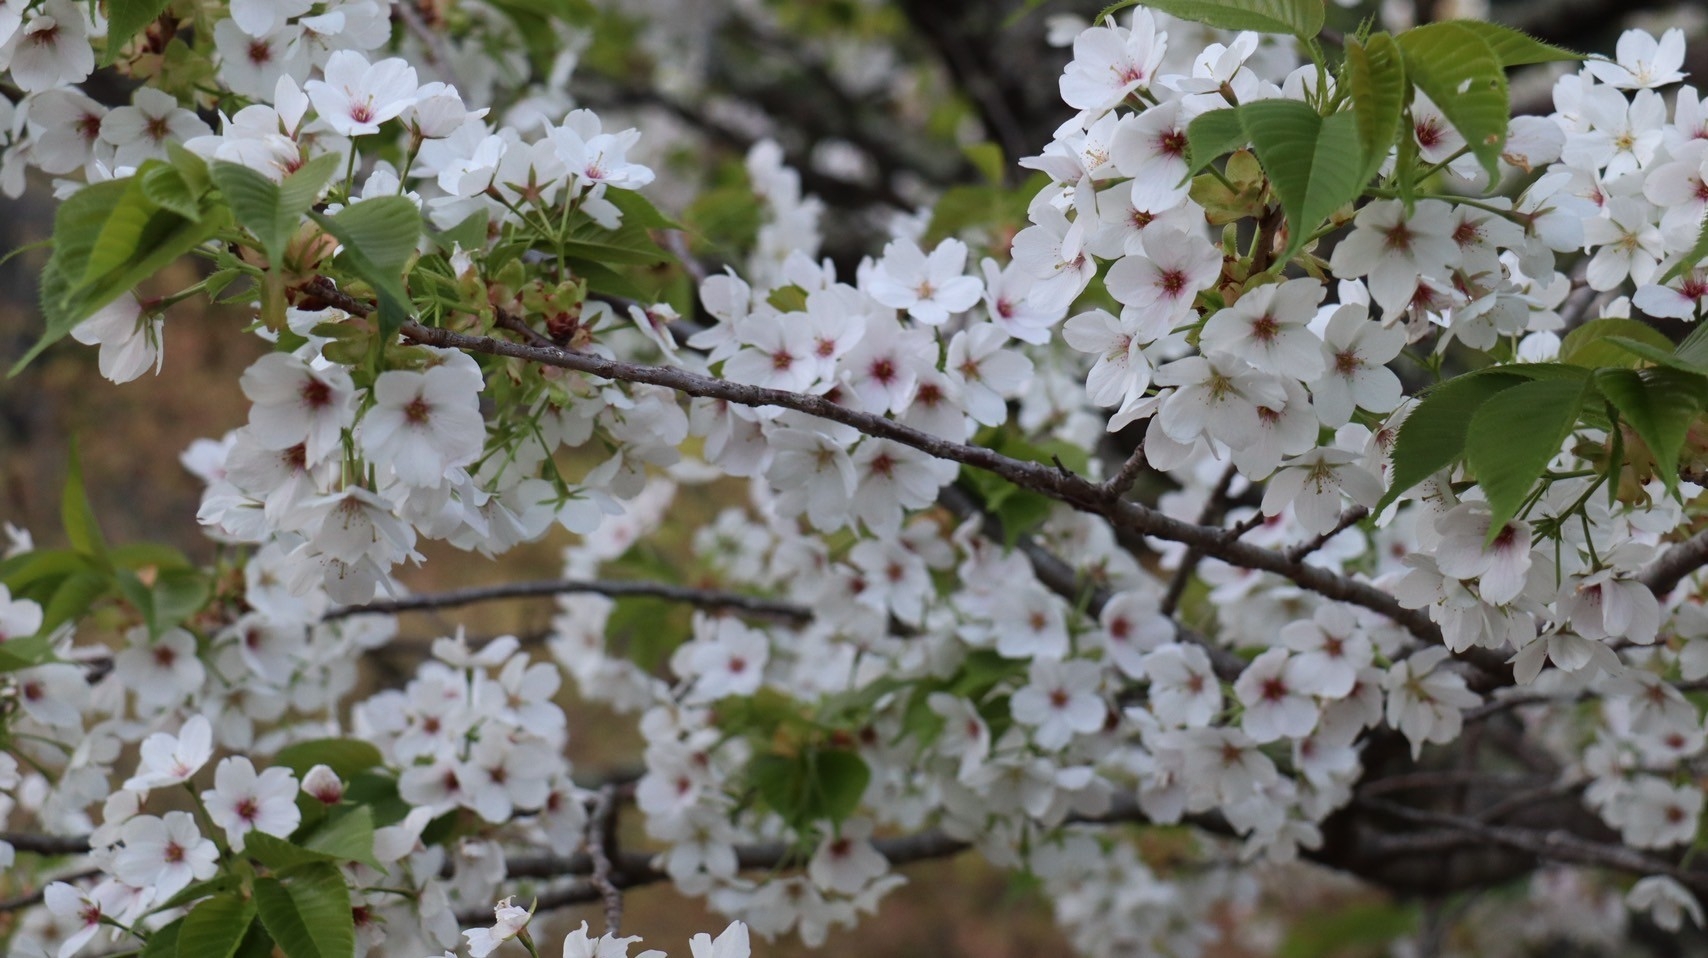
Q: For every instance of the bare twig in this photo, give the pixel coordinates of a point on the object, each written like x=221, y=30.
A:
x=1056, y=575
x=33, y=898
x=1556, y=845
x=1128, y=474
x=1211, y=514
x=1348, y=519
x=601, y=835
x=616, y=589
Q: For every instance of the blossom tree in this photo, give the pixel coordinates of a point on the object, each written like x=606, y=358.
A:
x=1298, y=475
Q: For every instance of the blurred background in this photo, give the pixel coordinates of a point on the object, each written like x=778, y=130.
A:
x=876, y=103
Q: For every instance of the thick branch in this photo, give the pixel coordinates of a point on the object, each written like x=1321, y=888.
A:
x=1556, y=845
x=1676, y=563
x=703, y=598
x=46, y=844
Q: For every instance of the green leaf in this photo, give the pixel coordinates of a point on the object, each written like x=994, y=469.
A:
x=1514, y=48
x=139, y=245
x=1694, y=350
x=638, y=211
x=272, y=212
x=166, y=188
x=25, y=653
x=388, y=286
x=1376, y=78
x=1433, y=436
x=1314, y=162
x=386, y=229
x=214, y=928
x=178, y=594
x=812, y=786
x=195, y=891
x=349, y=837
x=256, y=944
x=1590, y=344
x=38, y=566
x=308, y=914
x=76, y=226
x=1211, y=134
x=73, y=597
x=1659, y=405
x=77, y=515
x=1513, y=436
x=629, y=243
x=346, y=756
x=603, y=279
x=1654, y=354
x=277, y=853
x=126, y=19
x=1457, y=68
x=163, y=943
x=1302, y=18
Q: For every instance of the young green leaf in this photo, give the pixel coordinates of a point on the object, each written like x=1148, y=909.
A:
x=1376, y=78
x=166, y=188
x=1433, y=436
x=126, y=19
x=1515, y=434
x=1514, y=48
x=1457, y=68
x=1659, y=405
x=77, y=515
x=370, y=237
x=270, y=211
x=1313, y=162
x=385, y=228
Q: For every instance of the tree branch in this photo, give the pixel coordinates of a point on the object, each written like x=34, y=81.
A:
x=1059, y=577
x=601, y=832
x=1556, y=845
x=1062, y=485
x=37, y=844
x=703, y=598
x=1676, y=563
x=1211, y=515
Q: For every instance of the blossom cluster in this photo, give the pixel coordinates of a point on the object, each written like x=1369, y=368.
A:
x=962, y=690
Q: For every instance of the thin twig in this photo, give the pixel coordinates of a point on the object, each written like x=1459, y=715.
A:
x=601, y=835
x=1556, y=845
x=1211, y=514
x=33, y=898
x=1059, y=577
x=616, y=589
x=1348, y=519
x=1128, y=474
